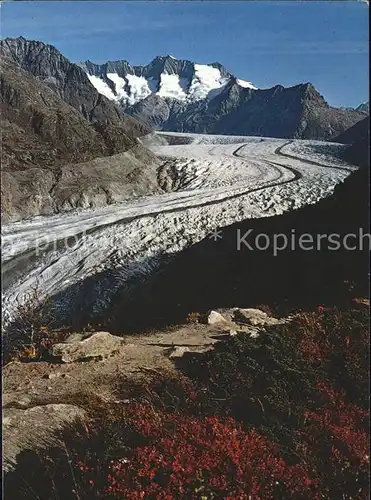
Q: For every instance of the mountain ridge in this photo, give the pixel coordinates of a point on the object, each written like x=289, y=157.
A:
x=181, y=96
x=64, y=146
x=68, y=80
x=166, y=76
x=364, y=108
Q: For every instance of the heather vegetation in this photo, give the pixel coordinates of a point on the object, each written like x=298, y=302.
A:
x=281, y=416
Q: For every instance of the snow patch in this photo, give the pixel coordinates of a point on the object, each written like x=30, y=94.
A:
x=139, y=88
x=172, y=86
x=101, y=87
x=205, y=80
x=246, y=85
x=120, y=84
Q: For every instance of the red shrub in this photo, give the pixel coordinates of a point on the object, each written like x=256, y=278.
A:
x=207, y=457
x=338, y=431
x=343, y=423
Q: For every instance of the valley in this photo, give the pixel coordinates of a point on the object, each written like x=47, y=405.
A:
x=185, y=250
x=211, y=181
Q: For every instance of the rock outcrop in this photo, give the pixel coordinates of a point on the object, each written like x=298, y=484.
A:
x=215, y=318
x=42, y=397
x=71, y=83
x=34, y=428
x=82, y=347
x=255, y=317
x=358, y=137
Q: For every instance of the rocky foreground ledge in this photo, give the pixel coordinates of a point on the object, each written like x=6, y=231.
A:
x=235, y=402
x=41, y=397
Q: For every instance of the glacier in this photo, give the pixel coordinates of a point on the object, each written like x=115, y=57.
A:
x=210, y=182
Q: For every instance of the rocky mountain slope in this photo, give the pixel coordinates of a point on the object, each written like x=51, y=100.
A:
x=70, y=82
x=182, y=96
x=358, y=132
x=364, y=107
x=64, y=145
x=358, y=136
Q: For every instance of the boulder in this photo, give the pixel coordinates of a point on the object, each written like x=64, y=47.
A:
x=215, y=318
x=16, y=400
x=179, y=351
x=254, y=317
x=244, y=329
x=75, y=337
x=34, y=428
x=361, y=302
x=93, y=345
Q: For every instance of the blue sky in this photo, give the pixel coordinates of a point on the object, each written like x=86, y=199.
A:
x=266, y=43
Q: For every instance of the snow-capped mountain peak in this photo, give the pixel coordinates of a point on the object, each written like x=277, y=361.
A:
x=165, y=76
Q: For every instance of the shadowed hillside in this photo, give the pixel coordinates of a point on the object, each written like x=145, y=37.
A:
x=214, y=273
